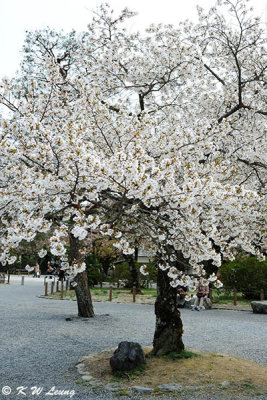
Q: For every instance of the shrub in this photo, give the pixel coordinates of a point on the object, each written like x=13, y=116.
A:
x=120, y=272
x=93, y=269
x=152, y=270
x=247, y=275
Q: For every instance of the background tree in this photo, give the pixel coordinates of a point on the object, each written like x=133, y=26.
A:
x=246, y=274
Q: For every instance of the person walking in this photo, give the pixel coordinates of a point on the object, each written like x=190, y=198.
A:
x=50, y=269
x=36, y=271
x=202, y=293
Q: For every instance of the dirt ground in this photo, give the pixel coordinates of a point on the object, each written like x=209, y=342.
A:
x=206, y=369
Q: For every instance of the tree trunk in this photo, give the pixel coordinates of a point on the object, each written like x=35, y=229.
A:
x=169, y=327
x=83, y=295
x=134, y=279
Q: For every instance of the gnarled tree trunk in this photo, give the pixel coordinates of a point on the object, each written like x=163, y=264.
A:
x=169, y=327
x=83, y=295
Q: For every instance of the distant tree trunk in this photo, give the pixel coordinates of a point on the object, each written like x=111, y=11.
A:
x=169, y=327
x=134, y=273
x=83, y=295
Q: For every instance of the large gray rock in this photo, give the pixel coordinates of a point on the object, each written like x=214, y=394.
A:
x=259, y=307
x=127, y=357
x=207, y=303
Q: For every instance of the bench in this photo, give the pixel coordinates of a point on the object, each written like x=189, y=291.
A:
x=18, y=271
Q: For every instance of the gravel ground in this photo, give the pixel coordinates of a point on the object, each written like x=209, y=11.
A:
x=38, y=347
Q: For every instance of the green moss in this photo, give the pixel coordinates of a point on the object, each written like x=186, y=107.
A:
x=184, y=354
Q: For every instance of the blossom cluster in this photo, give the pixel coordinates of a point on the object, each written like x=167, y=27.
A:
x=156, y=137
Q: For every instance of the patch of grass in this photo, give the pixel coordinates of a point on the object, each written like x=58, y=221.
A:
x=150, y=292
x=67, y=295
x=99, y=291
x=228, y=298
x=122, y=393
x=184, y=355
x=116, y=379
x=98, y=389
x=137, y=371
x=130, y=375
x=158, y=392
x=249, y=386
x=102, y=292
x=122, y=295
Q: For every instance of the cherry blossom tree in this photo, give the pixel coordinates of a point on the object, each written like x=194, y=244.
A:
x=156, y=137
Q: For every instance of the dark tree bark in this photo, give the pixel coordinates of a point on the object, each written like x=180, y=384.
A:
x=83, y=295
x=134, y=273
x=169, y=327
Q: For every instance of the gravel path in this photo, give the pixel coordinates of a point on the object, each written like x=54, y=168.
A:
x=39, y=348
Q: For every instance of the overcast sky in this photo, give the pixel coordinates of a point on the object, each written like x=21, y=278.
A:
x=17, y=16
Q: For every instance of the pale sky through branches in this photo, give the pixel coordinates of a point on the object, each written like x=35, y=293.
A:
x=17, y=16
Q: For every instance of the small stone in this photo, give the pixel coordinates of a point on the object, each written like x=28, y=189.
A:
x=87, y=378
x=96, y=383
x=81, y=360
x=80, y=365
x=225, y=383
x=196, y=387
x=170, y=387
x=90, y=356
x=193, y=387
x=142, y=389
x=80, y=369
x=112, y=386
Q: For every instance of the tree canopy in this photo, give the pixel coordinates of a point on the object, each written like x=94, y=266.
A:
x=159, y=136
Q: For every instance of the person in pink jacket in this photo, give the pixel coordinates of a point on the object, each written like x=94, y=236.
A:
x=202, y=293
